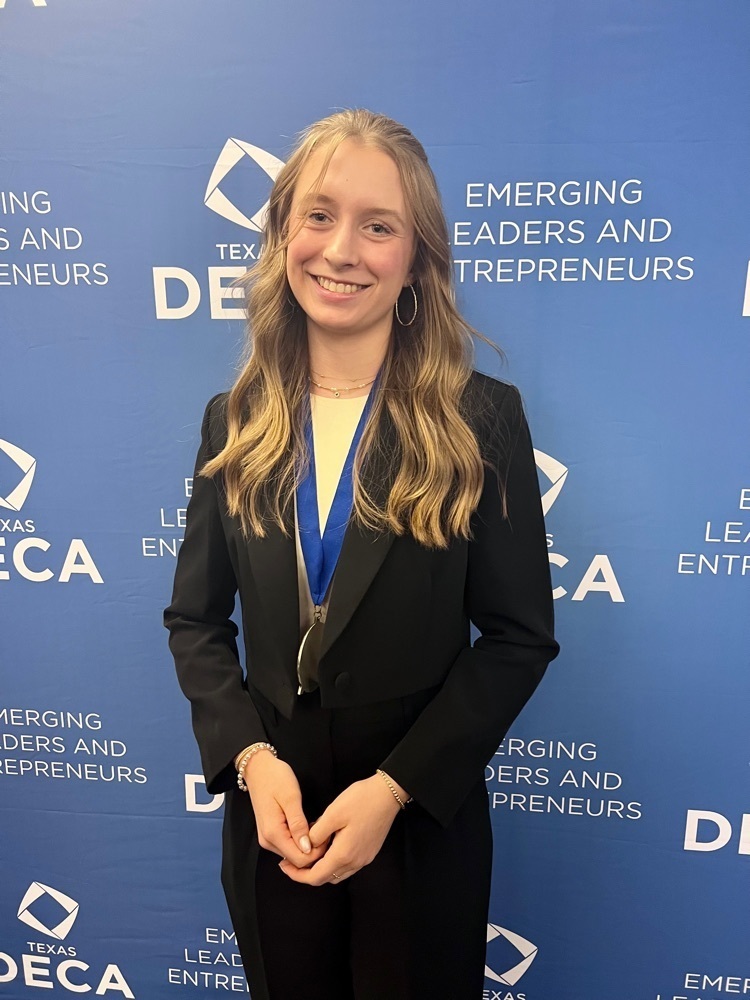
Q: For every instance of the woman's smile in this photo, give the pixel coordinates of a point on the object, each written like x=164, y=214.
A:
x=339, y=287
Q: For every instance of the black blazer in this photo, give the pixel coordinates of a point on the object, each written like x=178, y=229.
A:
x=398, y=620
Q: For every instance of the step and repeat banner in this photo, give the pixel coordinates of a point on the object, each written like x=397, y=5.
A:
x=593, y=159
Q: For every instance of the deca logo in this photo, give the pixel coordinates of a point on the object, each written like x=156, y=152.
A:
x=17, y=496
x=556, y=472
x=69, y=906
x=24, y=554
x=706, y=830
x=235, y=150
x=49, y=964
x=526, y=949
x=183, y=284
x=195, y=795
x=599, y=575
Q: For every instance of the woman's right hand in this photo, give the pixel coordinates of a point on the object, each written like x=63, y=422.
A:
x=277, y=803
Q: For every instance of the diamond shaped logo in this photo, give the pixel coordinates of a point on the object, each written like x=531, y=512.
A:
x=61, y=929
x=527, y=950
x=229, y=157
x=553, y=470
x=27, y=464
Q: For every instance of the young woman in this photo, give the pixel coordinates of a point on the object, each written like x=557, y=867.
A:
x=368, y=494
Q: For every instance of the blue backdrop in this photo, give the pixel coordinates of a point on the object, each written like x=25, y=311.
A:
x=593, y=159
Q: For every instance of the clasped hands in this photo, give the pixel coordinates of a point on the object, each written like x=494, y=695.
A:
x=345, y=838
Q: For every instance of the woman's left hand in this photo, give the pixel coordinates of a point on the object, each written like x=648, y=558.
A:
x=359, y=820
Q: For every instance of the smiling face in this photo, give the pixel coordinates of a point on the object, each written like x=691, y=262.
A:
x=353, y=243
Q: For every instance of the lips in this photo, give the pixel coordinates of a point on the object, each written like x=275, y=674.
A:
x=340, y=287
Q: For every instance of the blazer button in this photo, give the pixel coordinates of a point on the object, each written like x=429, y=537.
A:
x=343, y=680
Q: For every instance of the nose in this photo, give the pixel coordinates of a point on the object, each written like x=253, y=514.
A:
x=341, y=250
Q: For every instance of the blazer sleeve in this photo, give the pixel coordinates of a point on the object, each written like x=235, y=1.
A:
x=508, y=596
x=202, y=637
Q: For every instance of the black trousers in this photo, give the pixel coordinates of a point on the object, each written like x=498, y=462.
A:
x=410, y=924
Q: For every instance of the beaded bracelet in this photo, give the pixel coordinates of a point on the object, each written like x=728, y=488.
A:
x=246, y=757
x=392, y=787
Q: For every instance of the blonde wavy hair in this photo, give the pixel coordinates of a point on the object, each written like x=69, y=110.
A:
x=440, y=471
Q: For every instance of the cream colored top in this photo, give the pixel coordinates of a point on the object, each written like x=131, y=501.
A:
x=334, y=422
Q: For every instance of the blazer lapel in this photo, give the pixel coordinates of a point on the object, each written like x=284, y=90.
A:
x=362, y=555
x=273, y=564
x=363, y=550
x=273, y=561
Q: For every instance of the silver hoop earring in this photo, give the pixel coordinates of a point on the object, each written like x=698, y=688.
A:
x=416, y=308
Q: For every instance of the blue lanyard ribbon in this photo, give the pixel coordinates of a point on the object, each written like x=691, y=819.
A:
x=322, y=553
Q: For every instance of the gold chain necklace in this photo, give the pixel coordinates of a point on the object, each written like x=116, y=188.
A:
x=337, y=391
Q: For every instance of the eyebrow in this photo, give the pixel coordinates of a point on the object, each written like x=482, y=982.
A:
x=325, y=200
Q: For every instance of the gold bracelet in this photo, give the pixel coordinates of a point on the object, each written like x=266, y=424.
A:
x=241, y=754
x=392, y=787
x=247, y=754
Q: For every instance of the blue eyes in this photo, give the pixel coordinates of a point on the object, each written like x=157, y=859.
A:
x=378, y=228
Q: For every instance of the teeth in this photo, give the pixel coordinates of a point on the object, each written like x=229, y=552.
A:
x=342, y=289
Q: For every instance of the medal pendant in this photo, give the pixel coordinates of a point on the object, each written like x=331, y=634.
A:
x=309, y=654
